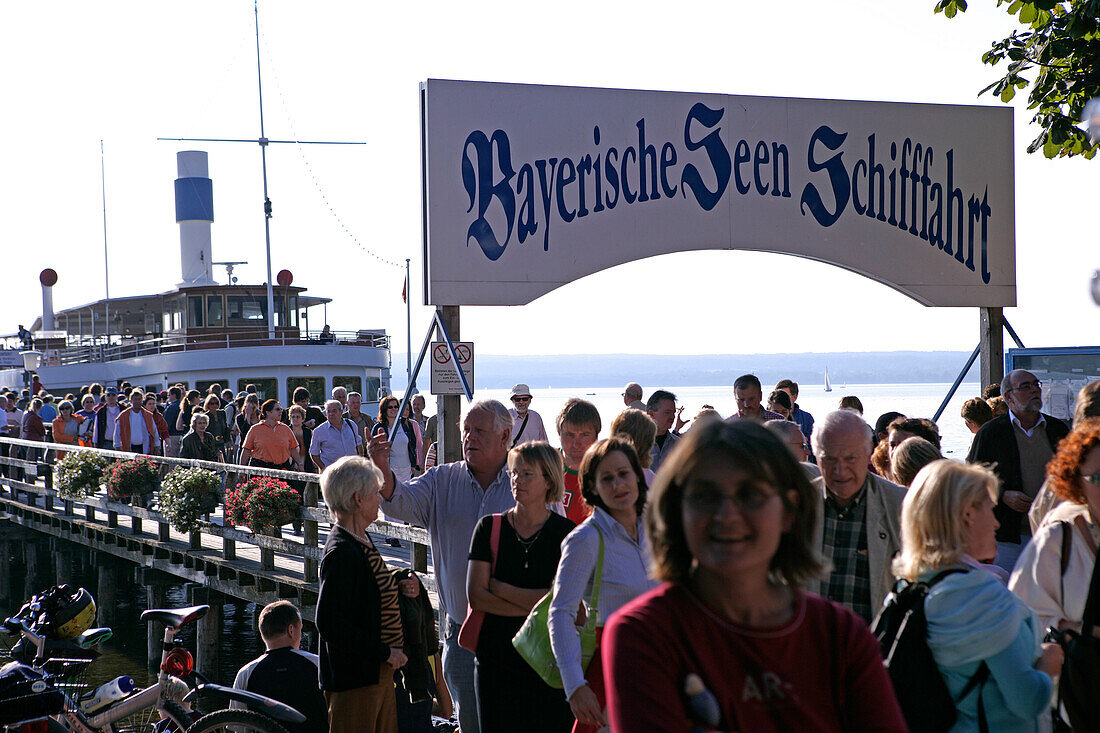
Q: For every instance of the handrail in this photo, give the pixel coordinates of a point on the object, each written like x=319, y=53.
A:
x=82, y=351
x=313, y=513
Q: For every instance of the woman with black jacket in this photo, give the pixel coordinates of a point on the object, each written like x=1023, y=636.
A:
x=358, y=608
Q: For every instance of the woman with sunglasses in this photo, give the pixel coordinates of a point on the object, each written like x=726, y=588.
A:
x=730, y=523
x=403, y=457
x=270, y=443
x=66, y=426
x=1068, y=536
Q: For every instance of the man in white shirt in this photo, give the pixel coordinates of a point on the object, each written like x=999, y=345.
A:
x=526, y=423
x=105, y=419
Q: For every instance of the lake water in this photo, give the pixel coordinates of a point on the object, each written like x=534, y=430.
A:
x=912, y=400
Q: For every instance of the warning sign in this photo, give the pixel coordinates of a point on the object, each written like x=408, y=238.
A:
x=444, y=376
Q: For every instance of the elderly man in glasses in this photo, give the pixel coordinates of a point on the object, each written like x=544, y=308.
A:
x=526, y=423
x=1019, y=445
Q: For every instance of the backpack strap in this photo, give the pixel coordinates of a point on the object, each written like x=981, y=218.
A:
x=943, y=574
x=1063, y=561
x=978, y=681
x=522, y=427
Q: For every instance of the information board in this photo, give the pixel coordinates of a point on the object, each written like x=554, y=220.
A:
x=445, y=379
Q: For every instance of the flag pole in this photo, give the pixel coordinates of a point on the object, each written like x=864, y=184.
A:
x=408, y=332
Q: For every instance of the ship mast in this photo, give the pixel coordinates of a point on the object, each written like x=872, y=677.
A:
x=263, y=142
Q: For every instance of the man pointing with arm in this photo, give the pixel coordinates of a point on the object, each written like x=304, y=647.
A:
x=449, y=500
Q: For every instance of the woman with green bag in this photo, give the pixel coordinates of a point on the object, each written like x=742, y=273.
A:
x=505, y=582
x=613, y=483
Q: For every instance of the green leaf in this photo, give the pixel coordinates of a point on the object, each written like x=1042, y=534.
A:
x=1050, y=149
x=1028, y=13
x=1008, y=93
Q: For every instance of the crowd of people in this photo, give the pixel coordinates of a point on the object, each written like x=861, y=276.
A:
x=733, y=568
x=717, y=573
x=215, y=426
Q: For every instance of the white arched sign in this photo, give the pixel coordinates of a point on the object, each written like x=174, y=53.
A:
x=527, y=188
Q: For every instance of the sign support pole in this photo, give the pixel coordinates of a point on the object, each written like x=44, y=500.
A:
x=992, y=345
x=445, y=322
x=450, y=406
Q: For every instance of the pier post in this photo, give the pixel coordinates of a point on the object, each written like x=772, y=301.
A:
x=156, y=596
x=992, y=346
x=309, y=533
x=208, y=633
x=5, y=572
x=36, y=569
x=63, y=557
x=449, y=406
x=106, y=595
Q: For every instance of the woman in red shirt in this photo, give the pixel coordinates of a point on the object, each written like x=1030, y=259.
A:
x=728, y=642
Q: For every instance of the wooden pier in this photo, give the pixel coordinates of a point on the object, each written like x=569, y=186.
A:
x=217, y=560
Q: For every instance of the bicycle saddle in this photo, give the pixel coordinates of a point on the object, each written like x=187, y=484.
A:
x=175, y=617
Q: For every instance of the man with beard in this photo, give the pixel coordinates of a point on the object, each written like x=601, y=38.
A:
x=1019, y=445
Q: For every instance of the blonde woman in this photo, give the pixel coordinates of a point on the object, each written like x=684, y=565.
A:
x=511, y=696
x=976, y=627
x=911, y=456
x=358, y=611
x=639, y=428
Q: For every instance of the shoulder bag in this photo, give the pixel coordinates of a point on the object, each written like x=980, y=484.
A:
x=471, y=627
x=533, y=640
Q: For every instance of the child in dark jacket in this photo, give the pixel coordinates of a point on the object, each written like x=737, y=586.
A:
x=416, y=683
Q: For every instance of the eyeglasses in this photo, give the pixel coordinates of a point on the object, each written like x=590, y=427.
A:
x=748, y=498
x=1026, y=386
x=391, y=407
x=521, y=399
x=800, y=446
x=1093, y=479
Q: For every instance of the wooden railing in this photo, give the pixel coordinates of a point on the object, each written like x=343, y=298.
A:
x=313, y=513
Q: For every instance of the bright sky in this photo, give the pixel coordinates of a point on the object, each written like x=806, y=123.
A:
x=128, y=72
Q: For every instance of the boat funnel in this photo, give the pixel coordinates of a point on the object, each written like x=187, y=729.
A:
x=194, y=214
x=48, y=278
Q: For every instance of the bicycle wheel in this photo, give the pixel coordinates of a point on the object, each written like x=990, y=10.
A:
x=235, y=721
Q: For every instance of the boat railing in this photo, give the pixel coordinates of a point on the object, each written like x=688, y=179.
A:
x=96, y=352
x=34, y=463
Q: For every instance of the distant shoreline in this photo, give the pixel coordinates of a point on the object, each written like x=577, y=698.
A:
x=493, y=371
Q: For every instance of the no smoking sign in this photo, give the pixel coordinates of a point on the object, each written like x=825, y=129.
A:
x=444, y=376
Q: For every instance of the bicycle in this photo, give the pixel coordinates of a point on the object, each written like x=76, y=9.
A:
x=169, y=695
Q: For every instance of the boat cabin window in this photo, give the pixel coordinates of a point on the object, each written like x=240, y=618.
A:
x=195, y=312
x=352, y=384
x=154, y=388
x=203, y=385
x=282, y=317
x=373, y=390
x=246, y=310
x=172, y=318
x=215, y=311
x=315, y=385
x=266, y=387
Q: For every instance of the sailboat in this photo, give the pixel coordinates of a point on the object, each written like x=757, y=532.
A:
x=828, y=387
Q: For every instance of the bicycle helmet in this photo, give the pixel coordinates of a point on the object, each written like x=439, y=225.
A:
x=64, y=612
